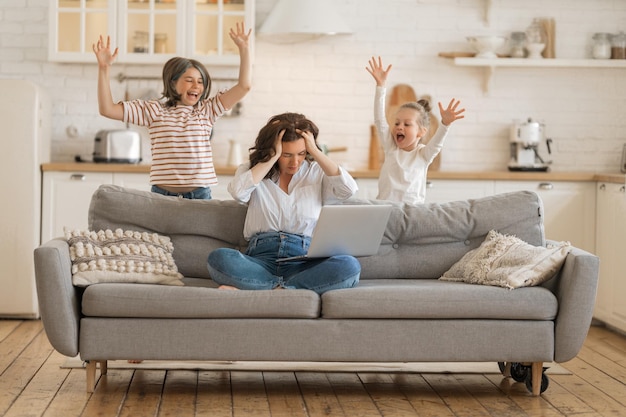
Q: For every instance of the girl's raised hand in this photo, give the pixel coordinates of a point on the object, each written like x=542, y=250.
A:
x=451, y=114
x=239, y=35
x=103, y=53
x=377, y=71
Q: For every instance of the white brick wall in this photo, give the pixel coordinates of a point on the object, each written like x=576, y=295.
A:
x=326, y=79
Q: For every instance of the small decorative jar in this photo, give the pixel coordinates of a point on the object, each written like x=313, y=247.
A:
x=516, y=43
x=618, y=46
x=601, y=48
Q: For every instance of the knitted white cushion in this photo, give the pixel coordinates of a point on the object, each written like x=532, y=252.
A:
x=121, y=256
x=507, y=261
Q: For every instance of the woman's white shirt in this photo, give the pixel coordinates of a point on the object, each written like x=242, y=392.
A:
x=271, y=209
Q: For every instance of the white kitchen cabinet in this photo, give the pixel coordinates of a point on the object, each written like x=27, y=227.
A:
x=67, y=196
x=220, y=191
x=437, y=191
x=610, y=244
x=443, y=191
x=148, y=31
x=132, y=180
x=368, y=188
x=569, y=209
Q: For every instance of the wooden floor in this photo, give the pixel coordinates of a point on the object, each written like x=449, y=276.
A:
x=32, y=383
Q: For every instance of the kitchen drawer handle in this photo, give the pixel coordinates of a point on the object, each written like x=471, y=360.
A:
x=77, y=177
x=546, y=186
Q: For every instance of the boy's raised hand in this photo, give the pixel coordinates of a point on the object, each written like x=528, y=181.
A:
x=377, y=71
x=451, y=114
x=103, y=53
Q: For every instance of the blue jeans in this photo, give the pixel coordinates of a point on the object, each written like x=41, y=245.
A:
x=201, y=193
x=257, y=269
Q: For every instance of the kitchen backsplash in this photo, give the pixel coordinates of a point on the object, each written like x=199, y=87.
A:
x=582, y=108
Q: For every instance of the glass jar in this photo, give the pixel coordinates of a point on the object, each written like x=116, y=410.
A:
x=618, y=46
x=601, y=48
x=160, y=43
x=140, y=42
x=516, y=44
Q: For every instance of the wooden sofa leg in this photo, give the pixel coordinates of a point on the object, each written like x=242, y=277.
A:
x=103, y=367
x=91, y=375
x=537, y=374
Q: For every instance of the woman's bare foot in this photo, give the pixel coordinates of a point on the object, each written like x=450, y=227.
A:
x=227, y=287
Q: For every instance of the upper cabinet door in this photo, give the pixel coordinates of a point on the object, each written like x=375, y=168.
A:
x=149, y=31
x=209, y=25
x=75, y=26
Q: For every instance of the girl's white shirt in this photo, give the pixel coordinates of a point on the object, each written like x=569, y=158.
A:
x=270, y=209
x=402, y=176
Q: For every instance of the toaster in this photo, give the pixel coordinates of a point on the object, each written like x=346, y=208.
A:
x=117, y=146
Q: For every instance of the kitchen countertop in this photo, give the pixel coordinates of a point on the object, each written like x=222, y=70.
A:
x=613, y=177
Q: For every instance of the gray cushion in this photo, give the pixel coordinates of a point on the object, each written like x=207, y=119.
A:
x=160, y=301
x=196, y=227
x=434, y=299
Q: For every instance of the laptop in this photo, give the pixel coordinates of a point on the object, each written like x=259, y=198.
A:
x=348, y=229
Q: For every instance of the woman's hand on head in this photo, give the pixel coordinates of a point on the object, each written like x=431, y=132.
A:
x=102, y=49
x=451, y=114
x=309, y=141
x=278, y=145
x=377, y=71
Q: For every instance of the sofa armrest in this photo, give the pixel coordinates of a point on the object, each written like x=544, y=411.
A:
x=59, y=300
x=576, y=293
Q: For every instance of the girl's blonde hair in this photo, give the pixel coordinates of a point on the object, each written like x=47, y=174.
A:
x=422, y=107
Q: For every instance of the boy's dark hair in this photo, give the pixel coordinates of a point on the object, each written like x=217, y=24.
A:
x=173, y=70
x=263, y=148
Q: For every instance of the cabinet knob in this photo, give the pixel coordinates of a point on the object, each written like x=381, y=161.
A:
x=602, y=187
x=429, y=184
x=622, y=188
x=77, y=177
x=546, y=186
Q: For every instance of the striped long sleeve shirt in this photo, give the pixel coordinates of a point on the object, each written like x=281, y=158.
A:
x=180, y=140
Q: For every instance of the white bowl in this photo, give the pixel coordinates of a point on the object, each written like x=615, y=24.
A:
x=486, y=46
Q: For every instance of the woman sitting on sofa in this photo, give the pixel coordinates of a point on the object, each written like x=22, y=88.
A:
x=285, y=184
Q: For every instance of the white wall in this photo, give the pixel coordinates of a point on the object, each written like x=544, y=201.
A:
x=583, y=109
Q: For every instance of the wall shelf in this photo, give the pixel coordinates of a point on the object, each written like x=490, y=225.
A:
x=490, y=65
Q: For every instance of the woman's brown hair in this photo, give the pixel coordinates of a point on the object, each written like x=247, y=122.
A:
x=263, y=148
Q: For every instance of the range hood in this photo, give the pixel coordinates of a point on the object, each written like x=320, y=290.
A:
x=301, y=20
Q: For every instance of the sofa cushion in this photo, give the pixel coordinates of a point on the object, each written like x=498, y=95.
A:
x=425, y=240
x=197, y=299
x=121, y=256
x=508, y=262
x=434, y=299
x=204, y=226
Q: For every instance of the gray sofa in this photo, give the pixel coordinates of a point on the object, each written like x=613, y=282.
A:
x=399, y=312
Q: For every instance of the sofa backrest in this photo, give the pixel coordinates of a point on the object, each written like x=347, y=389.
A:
x=420, y=241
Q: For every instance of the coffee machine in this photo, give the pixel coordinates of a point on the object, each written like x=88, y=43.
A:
x=525, y=138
